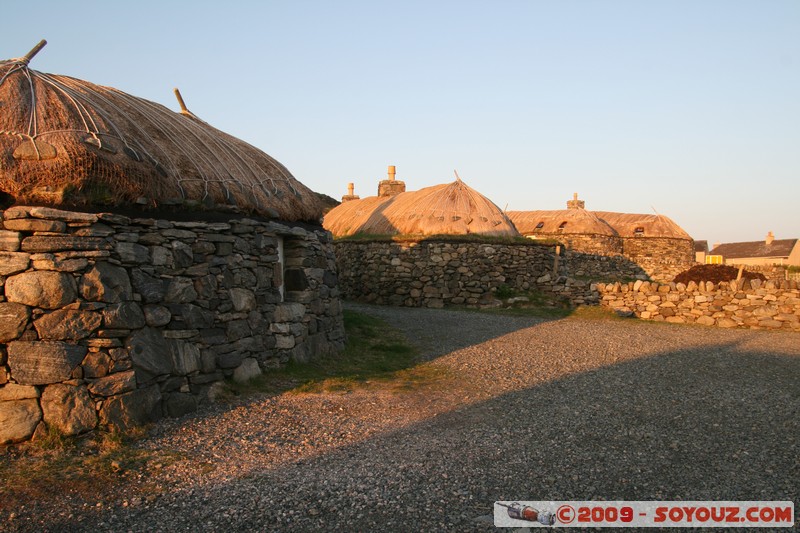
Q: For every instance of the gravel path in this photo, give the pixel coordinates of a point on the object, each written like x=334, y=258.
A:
x=567, y=409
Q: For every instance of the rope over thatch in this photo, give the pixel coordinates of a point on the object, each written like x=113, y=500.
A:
x=643, y=225
x=447, y=209
x=563, y=221
x=66, y=141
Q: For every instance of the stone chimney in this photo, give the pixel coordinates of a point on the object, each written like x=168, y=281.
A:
x=770, y=238
x=350, y=194
x=391, y=187
x=575, y=203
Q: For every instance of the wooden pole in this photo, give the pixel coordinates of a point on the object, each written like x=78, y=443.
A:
x=35, y=50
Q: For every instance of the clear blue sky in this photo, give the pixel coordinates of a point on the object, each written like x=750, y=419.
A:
x=688, y=107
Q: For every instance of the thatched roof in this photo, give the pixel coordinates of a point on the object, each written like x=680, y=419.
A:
x=740, y=250
x=65, y=141
x=638, y=225
x=564, y=221
x=447, y=209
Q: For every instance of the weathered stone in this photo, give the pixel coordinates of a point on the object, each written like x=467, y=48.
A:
x=13, y=262
x=150, y=354
x=57, y=243
x=13, y=391
x=230, y=360
x=96, y=364
x=185, y=357
x=53, y=262
x=68, y=408
x=59, y=214
x=243, y=300
x=132, y=408
x=49, y=290
x=237, y=329
x=34, y=224
x=706, y=321
x=151, y=289
x=113, y=384
x=124, y=315
x=178, y=404
x=193, y=316
x=43, y=362
x=182, y=254
x=248, y=370
x=289, y=312
x=18, y=420
x=13, y=319
x=156, y=315
x=106, y=283
x=284, y=342
x=67, y=325
x=180, y=290
x=130, y=252
x=10, y=241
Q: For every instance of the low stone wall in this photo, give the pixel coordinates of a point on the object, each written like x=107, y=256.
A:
x=107, y=320
x=754, y=304
x=439, y=273
x=662, y=258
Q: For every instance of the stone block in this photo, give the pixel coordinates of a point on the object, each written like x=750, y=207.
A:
x=243, y=300
x=13, y=319
x=230, y=360
x=13, y=262
x=59, y=214
x=54, y=262
x=706, y=321
x=18, y=420
x=10, y=241
x=180, y=290
x=130, y=252
x=33, y=224
x=156, y=315
x=68, y=408
x=132, y=409
x=185, y=357
x=43, y=362
x=96, y=364
x=45, y=289
x=58, y=243
x=67, y=325
x=152, y=289
x=105, y=282
x=123, y=315
x=248, y=370
x=289, y=312
x=150, y=354
x=14, y=391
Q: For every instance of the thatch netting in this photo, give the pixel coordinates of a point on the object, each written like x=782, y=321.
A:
x=632, y=225
x=65, y=141
x=447, y=209
x=564, y=221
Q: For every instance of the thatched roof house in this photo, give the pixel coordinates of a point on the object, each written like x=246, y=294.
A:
x=446, y=209
x=68, y=142
x=560, y=221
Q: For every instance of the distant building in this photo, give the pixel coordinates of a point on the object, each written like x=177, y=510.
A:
x=770, y=251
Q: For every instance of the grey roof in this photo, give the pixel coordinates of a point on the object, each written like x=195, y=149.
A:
x=777, y=248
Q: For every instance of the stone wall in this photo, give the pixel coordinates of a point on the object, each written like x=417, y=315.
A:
x=754, y=304
x=107, y=320
x=660, y=257
x=439, y=273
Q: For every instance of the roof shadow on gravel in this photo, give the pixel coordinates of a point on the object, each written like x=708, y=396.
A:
x=431, y=330
x=705, y=423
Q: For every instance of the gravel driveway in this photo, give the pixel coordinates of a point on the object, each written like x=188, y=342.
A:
x=571, y=409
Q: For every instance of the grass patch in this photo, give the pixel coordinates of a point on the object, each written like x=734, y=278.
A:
x=55, y=466
x=375, y=355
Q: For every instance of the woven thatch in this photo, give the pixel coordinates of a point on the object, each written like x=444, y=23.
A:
x=564, y=221
x=448, y=209
x=637, y=225
x=64, y=141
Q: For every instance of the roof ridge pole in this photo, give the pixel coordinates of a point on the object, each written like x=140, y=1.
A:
x=184, y=110
x=35, y=50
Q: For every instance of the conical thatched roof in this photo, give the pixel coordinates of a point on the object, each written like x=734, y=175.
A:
x=65, y=141
x=447, y=209
x=564, y=221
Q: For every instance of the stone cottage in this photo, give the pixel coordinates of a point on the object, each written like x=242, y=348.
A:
x=144, y=257
x=655, y=243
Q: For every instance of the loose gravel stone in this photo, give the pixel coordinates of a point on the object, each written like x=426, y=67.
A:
x=529, y=409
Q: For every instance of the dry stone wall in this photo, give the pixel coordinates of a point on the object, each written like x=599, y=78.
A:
x=735, y=304
x=439, y=273
x=107, y=320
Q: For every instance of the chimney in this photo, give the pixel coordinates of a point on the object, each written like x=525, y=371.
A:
x=391, y=186
x=350, y=194
x=575, y=203
x=770, y=238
